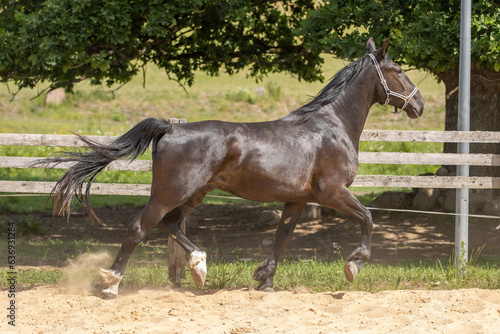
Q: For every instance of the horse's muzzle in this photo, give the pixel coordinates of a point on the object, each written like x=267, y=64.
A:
x=415, y=110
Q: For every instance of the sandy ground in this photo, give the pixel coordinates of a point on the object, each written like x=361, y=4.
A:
x=57, y=309
x=49, y=309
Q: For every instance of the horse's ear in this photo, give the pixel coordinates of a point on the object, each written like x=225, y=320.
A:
x=383, y=50
x=370, y=45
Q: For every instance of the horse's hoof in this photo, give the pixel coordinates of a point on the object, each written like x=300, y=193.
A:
x=108, y=294
x=198, y=266
x=109, y=277
x=266, y=285
x=350, y=271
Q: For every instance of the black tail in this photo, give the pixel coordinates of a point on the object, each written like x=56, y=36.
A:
x=87, y=165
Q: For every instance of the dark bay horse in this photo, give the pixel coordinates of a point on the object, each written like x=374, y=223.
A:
x=310, y=155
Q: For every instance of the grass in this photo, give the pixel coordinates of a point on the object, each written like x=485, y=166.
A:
x=95, y=110
x=329, y=276
x=46, y=260
x=311, y=274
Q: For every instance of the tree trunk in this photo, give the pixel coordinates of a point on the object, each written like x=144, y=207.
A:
x=484, y=112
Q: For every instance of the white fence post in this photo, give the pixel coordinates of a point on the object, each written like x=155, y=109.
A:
x=462, y=200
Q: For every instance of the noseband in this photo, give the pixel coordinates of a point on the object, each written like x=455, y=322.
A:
x=389, y=92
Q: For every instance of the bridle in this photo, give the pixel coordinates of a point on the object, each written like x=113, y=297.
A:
x=389, y=92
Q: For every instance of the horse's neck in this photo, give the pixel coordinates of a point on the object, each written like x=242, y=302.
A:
x=350, y=111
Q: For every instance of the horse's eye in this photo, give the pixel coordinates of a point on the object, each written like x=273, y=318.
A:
x=399, y=70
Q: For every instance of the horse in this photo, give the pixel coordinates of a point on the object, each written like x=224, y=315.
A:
x=309, y=155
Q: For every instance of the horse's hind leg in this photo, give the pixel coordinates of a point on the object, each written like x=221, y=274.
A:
x=289, y=218
x=346, y=203
x=170, y=225
x=136, y=231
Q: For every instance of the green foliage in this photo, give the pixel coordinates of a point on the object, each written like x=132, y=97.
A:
x=274, y=90
x=28, y=226
x=30, y=277
x=25, y=226
x=227, y=274
x=67, y=41
x=329, y=276
x=424, y=34
x=241, y=95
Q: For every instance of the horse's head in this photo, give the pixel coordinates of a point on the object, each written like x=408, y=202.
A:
x=394, y=87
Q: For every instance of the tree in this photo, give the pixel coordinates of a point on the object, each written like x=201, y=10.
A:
x=424, y=35
x=66, y=41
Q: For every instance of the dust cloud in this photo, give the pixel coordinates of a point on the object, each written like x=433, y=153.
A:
x=80, y=274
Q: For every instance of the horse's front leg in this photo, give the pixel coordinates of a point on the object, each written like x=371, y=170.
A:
x=342, y=200
x=289, y=218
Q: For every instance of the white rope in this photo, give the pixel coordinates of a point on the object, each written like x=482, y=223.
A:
x=436, y=213
x=316, y=204
x=384, y=209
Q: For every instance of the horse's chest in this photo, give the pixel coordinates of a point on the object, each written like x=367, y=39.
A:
x=339, y=165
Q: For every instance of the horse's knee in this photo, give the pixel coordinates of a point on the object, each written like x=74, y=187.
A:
x=135, y=232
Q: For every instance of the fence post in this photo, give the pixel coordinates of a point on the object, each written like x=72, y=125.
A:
x=462, y=199
x=176, y=256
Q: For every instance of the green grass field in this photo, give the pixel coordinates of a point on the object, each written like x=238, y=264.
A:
x=99, y=110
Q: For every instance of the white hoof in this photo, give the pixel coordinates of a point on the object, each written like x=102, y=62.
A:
x=112, y=279
x=198, y=266
x=109, y=293
x=350, y=271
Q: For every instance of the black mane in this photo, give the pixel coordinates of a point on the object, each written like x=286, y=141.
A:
x=328, y=94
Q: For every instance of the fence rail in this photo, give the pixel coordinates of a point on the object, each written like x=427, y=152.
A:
x=399, y=158
x=21, y=139
x=384, y=181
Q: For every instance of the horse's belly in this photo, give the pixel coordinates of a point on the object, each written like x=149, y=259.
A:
x=266, y=188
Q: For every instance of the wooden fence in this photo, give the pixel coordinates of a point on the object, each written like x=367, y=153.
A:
x=176, y=254
x=398, y=181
